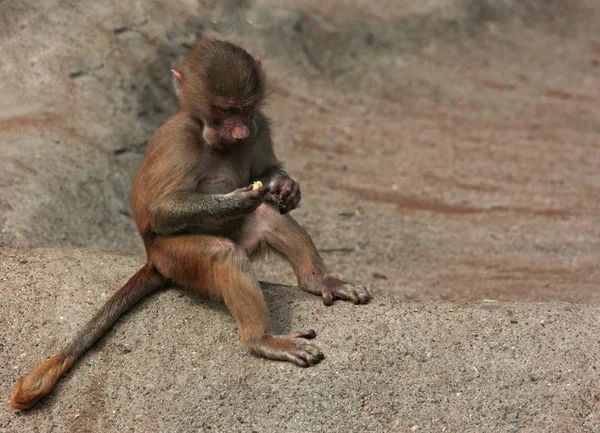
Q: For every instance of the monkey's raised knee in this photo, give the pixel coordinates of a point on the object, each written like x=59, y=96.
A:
x=267, y=219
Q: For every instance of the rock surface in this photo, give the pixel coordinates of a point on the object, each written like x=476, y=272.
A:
x=174, y=363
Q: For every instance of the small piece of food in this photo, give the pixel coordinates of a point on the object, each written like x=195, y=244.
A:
x=256, y=185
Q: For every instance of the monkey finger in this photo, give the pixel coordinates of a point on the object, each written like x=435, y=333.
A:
x=289, y=202
x=257, y=194
x=295, y=188
x=240, y=191
x=287, y=198
x=294, y=201
x=285, y=208
x=298, y=195
x=271, y=198
x=264, y=191
x=294, y=197
x=284, y=192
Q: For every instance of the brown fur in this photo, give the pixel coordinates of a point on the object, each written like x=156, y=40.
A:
x=200, y=219
x=219, y=267
x=29, y=389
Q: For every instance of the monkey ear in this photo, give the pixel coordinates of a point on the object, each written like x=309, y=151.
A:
x=258, y=60
x=177, y=75
x=177, y=81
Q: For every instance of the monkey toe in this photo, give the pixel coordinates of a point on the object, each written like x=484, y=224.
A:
x=305, y=354
x=336, y=289
x=297, y=350
x=358, y=294
x=327, y=297
x=346, y=292
x=363, y=293
x=309, y=334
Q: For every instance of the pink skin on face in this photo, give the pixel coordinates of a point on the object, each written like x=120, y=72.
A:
x=211, y=136
x=232, y=131
x=240, y=132
x=233, y=128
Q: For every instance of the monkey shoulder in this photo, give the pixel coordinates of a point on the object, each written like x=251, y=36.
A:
x=175, y=158
x=178, y=131
x=179, y=140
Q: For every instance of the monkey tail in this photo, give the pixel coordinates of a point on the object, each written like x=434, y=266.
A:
x=31, y=388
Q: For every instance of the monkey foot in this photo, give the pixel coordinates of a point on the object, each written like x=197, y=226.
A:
x=295, y=348
x=332, y=288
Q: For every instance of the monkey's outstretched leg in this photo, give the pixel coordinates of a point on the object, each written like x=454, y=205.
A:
x=219, y=267
x=31, y=388
x=267, y=227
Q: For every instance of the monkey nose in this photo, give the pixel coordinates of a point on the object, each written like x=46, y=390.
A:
x=240, y=132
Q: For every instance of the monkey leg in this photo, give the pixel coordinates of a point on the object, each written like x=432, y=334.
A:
x=31, y=388
x=219, y=267
x=266, y=227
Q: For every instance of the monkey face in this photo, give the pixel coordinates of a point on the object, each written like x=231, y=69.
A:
x=223, y=86
x=229, y=127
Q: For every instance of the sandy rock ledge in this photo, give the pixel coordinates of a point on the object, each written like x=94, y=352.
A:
x=174, y=363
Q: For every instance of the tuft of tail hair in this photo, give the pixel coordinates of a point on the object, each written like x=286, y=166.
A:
x=40, y=382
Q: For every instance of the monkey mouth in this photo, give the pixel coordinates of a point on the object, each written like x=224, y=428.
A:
x=233, y=143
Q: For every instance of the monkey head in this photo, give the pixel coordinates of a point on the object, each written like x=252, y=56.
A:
x=221, y=86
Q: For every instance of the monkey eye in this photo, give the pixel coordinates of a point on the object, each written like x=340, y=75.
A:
x=226, y=109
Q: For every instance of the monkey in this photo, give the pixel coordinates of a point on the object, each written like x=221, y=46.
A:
x=201, y=219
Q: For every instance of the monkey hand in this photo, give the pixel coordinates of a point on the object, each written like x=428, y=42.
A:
x=285, y=193
x=247, y=198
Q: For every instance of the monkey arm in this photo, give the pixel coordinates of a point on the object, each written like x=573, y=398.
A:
x=268, y=169
x=284, y=192
x=183, y=212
